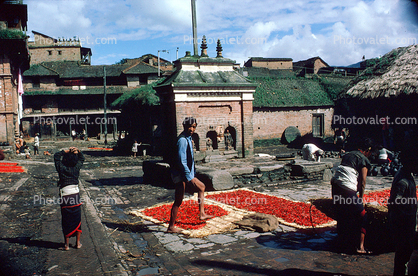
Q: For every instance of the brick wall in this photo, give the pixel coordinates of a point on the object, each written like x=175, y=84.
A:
x=271, y=124
x=8, y=103
x=274, y=64
x=217, y=116
x=318, y=65
x=42, y=54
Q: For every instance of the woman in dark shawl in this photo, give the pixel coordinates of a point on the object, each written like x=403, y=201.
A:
x=68, y=164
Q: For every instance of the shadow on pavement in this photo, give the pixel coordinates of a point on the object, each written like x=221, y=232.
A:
x=125, y=226
x=101, y=153
x=257, y=270
x=38, y=243
x=304, y=240
x=325, y=239
x=117, y=181
x=126, y=181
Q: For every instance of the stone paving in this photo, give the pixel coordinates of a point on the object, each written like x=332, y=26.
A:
x=115, y=243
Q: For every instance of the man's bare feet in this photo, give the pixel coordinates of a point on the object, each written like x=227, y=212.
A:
x=364, y=252
x=205, y=217
x=173, y=230
x=65, y=248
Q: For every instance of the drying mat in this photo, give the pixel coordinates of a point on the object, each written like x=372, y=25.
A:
x=8, y=167
x=296, y=214
x=235, y=214
x=215, y=225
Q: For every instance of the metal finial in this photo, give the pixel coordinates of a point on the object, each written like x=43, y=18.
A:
x=219, y=49
x=204, y=47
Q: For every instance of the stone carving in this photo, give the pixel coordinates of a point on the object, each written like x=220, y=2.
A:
x=209, y=144
x=229, y=141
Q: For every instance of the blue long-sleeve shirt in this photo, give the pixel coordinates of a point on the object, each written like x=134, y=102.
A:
x=185, y=156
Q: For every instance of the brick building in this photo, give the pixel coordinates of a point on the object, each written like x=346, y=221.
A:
x=64, y=95
x=270, y=63
x=210, y=90
x=13, y=56
x=309, y=66
x=282, y=100
x=45, y=48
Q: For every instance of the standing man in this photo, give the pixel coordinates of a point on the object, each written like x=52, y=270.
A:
x=183, y=173
x=36, y=145
x=68, y=164
x=402, y=213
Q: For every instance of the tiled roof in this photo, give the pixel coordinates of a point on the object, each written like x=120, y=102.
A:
x=199, y=78
x=140, y=68
x=70, y=91
x=269, y=59
x=73, y=69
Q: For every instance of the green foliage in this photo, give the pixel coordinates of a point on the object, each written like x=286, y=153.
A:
x=372, y=62
x=122, y=61
x=287, y=92
x=12, y=34
x=145, y=96
x=333, y=86
x=267, y=142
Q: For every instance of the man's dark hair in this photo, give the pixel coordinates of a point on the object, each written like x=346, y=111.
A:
x=365, y=144
x=70, y=159
x=188, y=121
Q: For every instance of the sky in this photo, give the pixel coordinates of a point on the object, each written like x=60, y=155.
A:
x=340, y=32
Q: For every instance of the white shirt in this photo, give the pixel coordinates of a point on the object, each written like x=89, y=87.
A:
x=36, y=141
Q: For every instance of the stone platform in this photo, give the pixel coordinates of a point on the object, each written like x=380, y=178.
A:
x=225, y=174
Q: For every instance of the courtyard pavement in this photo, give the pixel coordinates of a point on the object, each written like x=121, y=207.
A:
x=115, y=243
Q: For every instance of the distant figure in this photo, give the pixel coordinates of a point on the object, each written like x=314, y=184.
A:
x=135, y=148
x=19, y=143
x=339, y=139
x=73, y=134
x=311, y=152
x=384, y=155
x=68, y=164
x=229, y=141
x=1, y=154
x=402, y=210
x=36, y=145
x=83, y=134
x=183, y=174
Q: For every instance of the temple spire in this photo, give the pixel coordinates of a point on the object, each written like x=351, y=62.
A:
x=219, y=49
x=204, y=47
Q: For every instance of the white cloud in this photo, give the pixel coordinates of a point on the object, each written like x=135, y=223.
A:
x=296, y=29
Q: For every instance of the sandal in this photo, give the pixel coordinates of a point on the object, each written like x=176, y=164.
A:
x=365, y=252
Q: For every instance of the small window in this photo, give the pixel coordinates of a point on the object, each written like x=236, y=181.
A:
x=49, y=52
x=318, y=125
x=59, y=52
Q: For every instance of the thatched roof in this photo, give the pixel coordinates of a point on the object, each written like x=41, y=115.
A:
x=394, y=75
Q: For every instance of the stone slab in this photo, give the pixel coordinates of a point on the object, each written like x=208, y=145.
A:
x=327, y=175
x=215, y=158
x=216, y=180
x=270, y=168
x=240, y=170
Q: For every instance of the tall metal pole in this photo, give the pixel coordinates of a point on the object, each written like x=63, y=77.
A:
x=158, y=63
x=104, y=104
x=194, y=27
